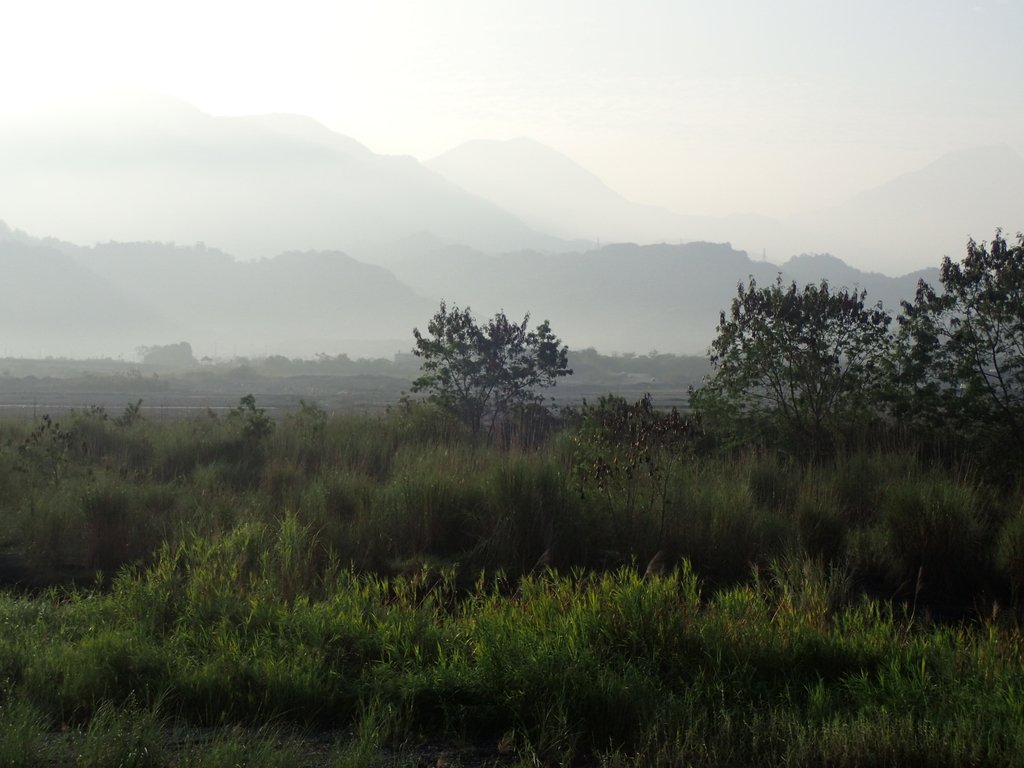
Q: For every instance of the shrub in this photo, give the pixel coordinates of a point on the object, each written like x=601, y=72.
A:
x=1009, y=557
x=821, y=523
x=936, y=538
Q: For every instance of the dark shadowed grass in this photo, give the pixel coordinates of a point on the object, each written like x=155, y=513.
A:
x=1010, y=553
x=392, y=493
x=23, y=730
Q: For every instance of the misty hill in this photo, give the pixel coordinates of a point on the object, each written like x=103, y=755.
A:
x=549, y=191
x=555, y=194
x=627, y=297
x=111, y=298
x=297, y=302
x=50, y=304
x=922, y=216
x=915, y=219
x=159, y=169
x=809, y=268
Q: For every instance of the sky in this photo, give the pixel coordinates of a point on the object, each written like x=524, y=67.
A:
x=737, y=106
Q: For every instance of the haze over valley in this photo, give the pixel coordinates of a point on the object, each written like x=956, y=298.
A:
x=512, y=383
x=330, y=248
x=274, y=235
x=325, y=198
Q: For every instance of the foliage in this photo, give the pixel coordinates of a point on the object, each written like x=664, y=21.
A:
x=46, y=450
x=379, y=595
x=799, y=364
x=484, y=373
x=168, y=355
x=625, y=451
x=254, y=421
x=388, y=493
x=613, y=669
x=964, y=346
x=132, y=414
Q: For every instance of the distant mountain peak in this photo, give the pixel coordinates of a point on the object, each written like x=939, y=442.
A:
x=963, y=170
x=255, y=185
x=999, y=152
x=305, y=129
x=915, y=219
x=813, y=259
x=129, y=107
x=522, y=156
x=552, y=192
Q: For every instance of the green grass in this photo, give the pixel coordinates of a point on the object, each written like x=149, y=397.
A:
x=391, y=493
x=375, y=577
x=792, y=668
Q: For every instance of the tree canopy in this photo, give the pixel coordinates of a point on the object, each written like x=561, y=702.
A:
x=964, y=345
x=795, y=360
x=483, y=373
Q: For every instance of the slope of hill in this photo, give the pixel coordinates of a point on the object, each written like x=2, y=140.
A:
x=626, y=297
x=553, y=193
x=809, y=268
x=909, y=223
x=549, y=191
x=919, y=217
x=109, y=299
x=255, y=186
x=299, y=303
x=50, y=304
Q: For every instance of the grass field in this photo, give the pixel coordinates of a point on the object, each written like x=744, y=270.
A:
x=384, y=589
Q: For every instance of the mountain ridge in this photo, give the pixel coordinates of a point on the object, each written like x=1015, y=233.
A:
x=254, y=185
x=905, y=224
x=153, y=168
x=622, y=297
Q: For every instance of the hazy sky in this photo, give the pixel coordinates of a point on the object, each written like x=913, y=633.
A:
x=704, y=107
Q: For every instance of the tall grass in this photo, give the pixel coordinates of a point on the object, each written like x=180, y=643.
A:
x=792, y=667
x=396, y=580
x=393, y=493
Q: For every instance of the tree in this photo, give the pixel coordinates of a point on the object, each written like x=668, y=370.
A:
x=964, y=347
x=795, y=362
x=482, y=374
x=169, y=355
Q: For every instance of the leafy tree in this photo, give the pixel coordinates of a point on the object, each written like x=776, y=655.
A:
x=797, y=362
x=482, y=374
x=963, y=361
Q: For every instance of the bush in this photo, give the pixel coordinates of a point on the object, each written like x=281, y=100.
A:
x=1009, y=558
x=936, y=538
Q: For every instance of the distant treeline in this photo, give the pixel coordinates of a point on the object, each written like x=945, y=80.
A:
x=589, y=367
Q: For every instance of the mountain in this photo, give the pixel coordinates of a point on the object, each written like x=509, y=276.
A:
x=811, y=268
x=156, y=169
x=307, y=207
x=256, y=186
x=553, y=193
x=109, y=299
x=298, y=303
x=919, y=217
x=909, y=223
x=627, y=297
x=50, y=304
